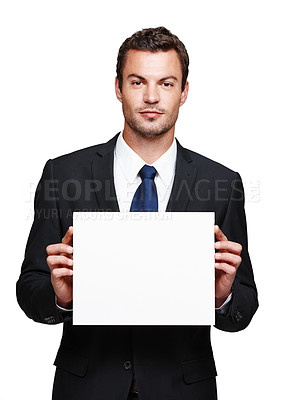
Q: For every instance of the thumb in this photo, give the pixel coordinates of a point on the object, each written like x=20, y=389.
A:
x=220, y=236
x=67, y=239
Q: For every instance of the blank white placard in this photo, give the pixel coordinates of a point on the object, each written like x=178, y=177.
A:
x=143, y=268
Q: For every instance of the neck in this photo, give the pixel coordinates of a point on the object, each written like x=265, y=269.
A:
x=149, y=148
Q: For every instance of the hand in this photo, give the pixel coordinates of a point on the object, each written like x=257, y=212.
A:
x=60, y=262
x=227, y=260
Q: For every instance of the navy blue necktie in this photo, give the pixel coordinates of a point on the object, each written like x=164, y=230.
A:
x=145, y=197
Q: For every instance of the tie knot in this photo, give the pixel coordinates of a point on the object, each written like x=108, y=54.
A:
x=147, y=172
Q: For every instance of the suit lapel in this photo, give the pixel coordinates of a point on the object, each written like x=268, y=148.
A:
x=103, y=176
x=185, y=177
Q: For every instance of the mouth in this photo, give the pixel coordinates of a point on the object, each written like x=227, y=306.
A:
x=150, y=113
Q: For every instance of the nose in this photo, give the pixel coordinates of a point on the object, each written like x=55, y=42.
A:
x=151, y=94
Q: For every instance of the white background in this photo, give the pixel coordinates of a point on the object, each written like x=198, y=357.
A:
x=57, y=73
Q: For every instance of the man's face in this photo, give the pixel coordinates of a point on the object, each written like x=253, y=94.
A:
x=151, y=91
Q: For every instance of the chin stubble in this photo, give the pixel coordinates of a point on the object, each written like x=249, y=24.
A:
x=137, y=127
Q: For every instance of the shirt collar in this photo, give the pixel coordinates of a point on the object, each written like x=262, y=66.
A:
x=166, y=164
x=131, y=163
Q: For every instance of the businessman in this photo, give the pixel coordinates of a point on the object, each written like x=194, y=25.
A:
x=143, y=168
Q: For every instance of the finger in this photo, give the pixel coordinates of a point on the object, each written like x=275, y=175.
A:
x=227, y=268
x=59, y=262
x=228, y=258
x=67, y=239
x=231, y=247
x=61, y=272
x=59, y=248
x=219, y=234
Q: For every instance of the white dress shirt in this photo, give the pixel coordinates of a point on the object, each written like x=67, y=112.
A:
x=127, y=165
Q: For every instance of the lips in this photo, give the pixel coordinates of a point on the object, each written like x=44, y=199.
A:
x=150, y=113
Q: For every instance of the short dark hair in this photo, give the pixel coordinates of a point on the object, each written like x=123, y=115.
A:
x=153, y=39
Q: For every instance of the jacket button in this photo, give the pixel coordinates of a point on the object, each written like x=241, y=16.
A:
x=127, y=365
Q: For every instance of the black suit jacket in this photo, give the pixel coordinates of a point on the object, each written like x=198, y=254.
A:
x=98, y=362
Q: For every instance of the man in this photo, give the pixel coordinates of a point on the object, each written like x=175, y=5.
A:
x=105, y=362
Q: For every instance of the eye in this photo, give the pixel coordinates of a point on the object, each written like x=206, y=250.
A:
x=167, y=84
x=136, y=83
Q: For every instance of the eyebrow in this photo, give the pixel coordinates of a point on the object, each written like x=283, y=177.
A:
x=135, y=76
x=169, y=77
x=160, y=80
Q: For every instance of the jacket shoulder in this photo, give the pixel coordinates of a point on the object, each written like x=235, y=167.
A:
x=206, y=165
x=85, y=155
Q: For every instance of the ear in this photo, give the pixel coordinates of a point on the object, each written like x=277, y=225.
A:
x=184, y=94
x=117, y=90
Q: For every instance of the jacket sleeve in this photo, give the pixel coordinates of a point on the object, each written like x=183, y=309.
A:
x=34, y=290
x=244, y=301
